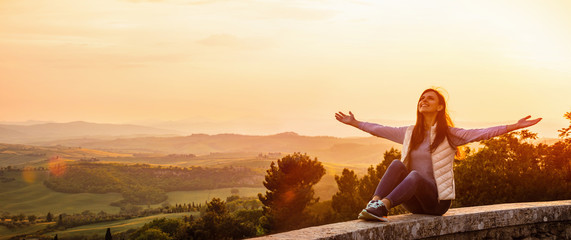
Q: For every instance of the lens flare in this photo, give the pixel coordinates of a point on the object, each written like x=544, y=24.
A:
x=29, y=174
x=57, y=166
x=288, y=196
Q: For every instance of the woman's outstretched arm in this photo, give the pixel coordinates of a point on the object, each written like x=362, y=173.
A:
x=391, y=133
x=464, y=136
x=522, y=123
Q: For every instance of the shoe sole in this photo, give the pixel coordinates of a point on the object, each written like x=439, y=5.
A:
x=371, y=217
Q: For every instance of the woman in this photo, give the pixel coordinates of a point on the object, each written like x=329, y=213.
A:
x=423, y=180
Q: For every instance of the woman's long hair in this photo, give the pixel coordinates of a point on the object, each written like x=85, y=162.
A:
x=443, y=124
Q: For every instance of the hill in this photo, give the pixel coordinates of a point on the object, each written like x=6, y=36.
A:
x=364, y=151
x=54, y=131
x=208, y=150
x=19, y=155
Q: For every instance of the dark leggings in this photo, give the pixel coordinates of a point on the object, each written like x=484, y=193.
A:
x=416, y=193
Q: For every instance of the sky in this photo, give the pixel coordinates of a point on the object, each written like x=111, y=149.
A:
x=266, y=66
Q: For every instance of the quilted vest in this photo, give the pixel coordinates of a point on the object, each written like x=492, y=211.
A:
x=442, y=163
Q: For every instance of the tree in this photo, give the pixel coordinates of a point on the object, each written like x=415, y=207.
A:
x=290, y=190
x=235, y=191
x=161, y=228
x=565, y=132
x=19, y=217
x=321, y=213
x=509, y=168
x=218, y=223
x=560, y=152
x=217, y=208
x=49, y=217
x=484, y=177
x=153, y=234
x=559, y=159
x=346, y=202
x=232, y=198
x=4, y=215
x=108, y=234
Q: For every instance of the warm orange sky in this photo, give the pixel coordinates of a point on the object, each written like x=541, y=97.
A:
x=263, y=67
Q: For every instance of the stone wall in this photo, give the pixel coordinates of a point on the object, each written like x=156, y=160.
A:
x=543, y=220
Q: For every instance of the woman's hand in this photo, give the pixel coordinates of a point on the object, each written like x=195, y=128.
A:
x=347, y=119
x=523, y=123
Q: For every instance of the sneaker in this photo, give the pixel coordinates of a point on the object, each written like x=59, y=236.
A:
x=375, y=211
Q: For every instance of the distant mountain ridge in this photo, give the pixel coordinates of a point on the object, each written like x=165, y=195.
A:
x=134, y=139
x=364, y=150
x=78, y=129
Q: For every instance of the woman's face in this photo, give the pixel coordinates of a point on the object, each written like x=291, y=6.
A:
x=429, y=103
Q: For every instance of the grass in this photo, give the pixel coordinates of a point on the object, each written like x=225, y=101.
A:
x=202, y=196
x=35, y=156
x=28, y=198
x=32, y=197
x=116, y=226
x=98, y=229
x=207, y=195
x=6, y=233
x=250, y=161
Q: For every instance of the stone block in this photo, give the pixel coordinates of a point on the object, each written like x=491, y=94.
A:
x=549, y=220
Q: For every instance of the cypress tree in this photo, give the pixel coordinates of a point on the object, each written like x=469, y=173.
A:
x=108, y=234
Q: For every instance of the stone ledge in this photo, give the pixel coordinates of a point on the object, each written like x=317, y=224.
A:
x=455, y=221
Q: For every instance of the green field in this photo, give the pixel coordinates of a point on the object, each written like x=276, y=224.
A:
x=89, y=230
x=202, y=196
x=18, y=155
x=20, y=196
x=6, y=233
x=33, y=197
x=116, y=226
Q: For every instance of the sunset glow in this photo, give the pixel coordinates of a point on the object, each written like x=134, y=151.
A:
x=264, y=67
x=29, y=175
